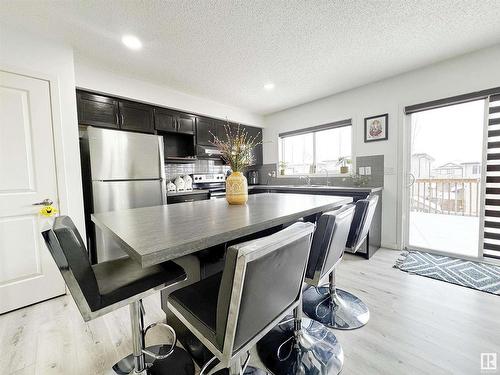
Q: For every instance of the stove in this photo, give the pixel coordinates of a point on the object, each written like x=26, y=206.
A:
x=215, y=183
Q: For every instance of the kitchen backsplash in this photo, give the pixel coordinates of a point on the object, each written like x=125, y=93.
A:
x=376, y=179
x=199, y=166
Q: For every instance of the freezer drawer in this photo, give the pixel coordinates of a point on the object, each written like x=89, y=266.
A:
x=120, y=195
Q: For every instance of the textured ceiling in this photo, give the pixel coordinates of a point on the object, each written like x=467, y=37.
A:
x=227, y=50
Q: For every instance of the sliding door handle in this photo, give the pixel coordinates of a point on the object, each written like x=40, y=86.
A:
x=412, y=179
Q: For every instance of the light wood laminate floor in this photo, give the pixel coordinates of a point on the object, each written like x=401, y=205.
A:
x=417, y=326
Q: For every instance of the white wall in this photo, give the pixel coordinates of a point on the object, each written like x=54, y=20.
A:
x=28, y=53
x=464, y=74
x=92, y=77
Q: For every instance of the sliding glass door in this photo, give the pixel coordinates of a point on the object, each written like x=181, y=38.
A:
x=444, y=198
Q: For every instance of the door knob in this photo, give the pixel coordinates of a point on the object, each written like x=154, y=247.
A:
x=45, y=202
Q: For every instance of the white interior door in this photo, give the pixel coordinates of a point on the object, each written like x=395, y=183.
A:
x=28, y=273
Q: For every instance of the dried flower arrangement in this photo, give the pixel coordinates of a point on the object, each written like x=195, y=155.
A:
x=236, y=149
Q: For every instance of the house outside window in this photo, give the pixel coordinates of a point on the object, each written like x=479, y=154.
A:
x=316, y=150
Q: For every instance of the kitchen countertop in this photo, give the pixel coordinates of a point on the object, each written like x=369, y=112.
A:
x=194, y=191
x=152, y=235
x=363, y=189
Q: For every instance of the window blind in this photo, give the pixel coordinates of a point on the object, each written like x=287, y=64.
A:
x=331, y=125
x=483, y=94
x=491, y=234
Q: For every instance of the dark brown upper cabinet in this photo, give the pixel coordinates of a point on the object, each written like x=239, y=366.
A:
x=104, y=111
x=206, y=128
x=136, y=117
x=97, y=110
x=257, y=151
x=175, y=122
x=165, y=120
x=185, y=123
x=221, y=129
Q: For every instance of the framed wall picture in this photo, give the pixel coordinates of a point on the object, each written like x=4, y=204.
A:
x=377, y=128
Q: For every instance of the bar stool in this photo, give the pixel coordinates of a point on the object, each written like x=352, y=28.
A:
x=101, y=288
x=337, y=308
x=277, y=348
x=361, y=223
x=231, y=311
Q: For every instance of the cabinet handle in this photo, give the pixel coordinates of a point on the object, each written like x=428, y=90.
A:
x=117, y=120
x=122, y=118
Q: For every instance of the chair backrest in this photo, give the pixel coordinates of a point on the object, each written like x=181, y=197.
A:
x=68, y=250
x=363, y=216
x=328, y=243
x=261, y=280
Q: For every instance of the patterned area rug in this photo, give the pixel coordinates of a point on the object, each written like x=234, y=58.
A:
x=475, y=275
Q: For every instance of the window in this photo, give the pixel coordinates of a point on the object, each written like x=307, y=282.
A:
x=314, y=150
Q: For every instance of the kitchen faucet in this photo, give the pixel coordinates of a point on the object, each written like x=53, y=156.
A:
x=326, y=171
x=271, y=174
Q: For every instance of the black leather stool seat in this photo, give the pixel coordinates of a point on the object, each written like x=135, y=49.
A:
x=123, y=278
x=198, y=304
x=106, y=283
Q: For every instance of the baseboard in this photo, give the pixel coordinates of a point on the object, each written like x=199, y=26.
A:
x=392, y=246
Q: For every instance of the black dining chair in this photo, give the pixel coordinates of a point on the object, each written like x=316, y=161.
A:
x=336, y=231
x=101, y=288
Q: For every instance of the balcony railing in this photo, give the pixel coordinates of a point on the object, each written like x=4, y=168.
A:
x=447, y=196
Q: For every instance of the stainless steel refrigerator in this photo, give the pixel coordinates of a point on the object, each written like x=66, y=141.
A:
x=120, y=170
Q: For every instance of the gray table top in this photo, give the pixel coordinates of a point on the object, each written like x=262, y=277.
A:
x=153, y=235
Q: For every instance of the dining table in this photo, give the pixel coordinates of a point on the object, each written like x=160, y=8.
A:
x=153, y=235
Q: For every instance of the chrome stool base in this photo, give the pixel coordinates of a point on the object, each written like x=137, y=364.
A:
x=339, y=310
x=178, y=363
x=314, y=350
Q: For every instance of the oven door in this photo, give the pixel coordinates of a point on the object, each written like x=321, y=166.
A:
x=217, y=193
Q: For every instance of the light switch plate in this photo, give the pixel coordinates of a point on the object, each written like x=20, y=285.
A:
x=368, y=171
x=389, y=170
x=361, y=171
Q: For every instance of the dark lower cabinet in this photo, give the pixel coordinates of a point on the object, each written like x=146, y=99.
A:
x=171, y=199
x=373, y=241
x=97, y=110
x=136, y=117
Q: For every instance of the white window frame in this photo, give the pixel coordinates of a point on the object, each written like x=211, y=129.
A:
x=315, y=129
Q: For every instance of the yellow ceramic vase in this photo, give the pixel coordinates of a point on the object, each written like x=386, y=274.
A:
x=236, y=188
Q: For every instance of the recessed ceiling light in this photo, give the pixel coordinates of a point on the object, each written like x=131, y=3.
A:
x=269, y=86
x=132, y=42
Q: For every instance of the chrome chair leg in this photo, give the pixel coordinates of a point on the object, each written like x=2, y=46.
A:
x=334, y=307
x=156, y=359
x=301, y=346
x=237, y=368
